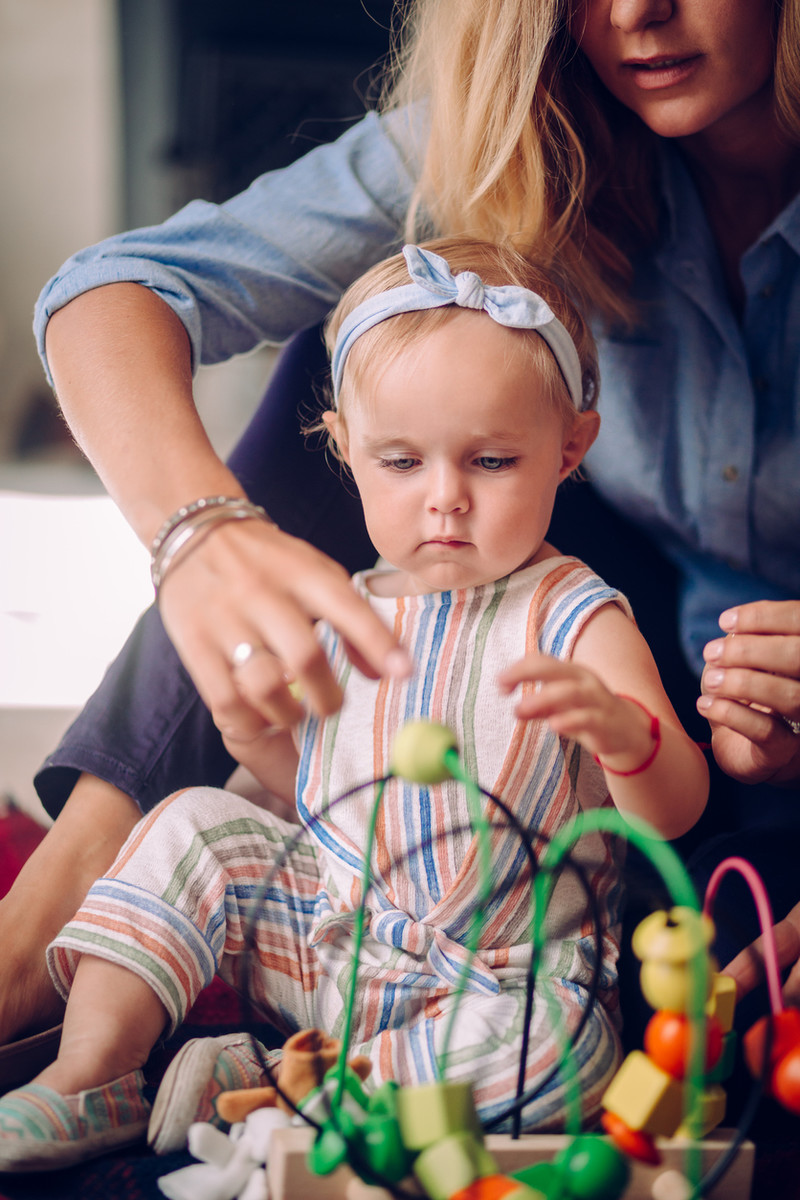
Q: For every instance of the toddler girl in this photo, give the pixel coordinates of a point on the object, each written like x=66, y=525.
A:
x=464, y=384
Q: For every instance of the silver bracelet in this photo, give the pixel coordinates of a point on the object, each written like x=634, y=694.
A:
x=179, y=529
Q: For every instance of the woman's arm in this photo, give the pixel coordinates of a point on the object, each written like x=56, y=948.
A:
x=219, y=279
x=121, y=364
x=270, y=261
x=605, y=697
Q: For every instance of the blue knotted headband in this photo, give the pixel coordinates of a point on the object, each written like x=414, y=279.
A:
x=434, y=286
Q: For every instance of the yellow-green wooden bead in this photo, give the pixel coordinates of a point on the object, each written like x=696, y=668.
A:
x=418, y=752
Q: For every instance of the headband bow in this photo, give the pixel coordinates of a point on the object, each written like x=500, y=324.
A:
x=433, y=285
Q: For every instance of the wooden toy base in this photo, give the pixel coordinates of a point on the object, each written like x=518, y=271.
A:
x=290, y=1178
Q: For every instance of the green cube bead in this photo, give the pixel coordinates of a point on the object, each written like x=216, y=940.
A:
x=430, y=1112
x=452, y=1164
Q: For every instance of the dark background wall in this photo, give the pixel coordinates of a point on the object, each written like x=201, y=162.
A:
x=217, y=91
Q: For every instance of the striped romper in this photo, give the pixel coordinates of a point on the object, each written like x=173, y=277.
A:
x=177, y=904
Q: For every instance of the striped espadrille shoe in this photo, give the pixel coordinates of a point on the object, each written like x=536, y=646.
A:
x=200, y=1070
x=41, y=1130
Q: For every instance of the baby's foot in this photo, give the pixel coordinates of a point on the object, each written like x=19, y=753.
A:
x=42, y=1130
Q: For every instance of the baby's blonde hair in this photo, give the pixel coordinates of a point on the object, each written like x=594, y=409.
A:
x=497, y=265
x=526, y=144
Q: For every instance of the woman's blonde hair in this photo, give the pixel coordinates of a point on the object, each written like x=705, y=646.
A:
x=497, y=265
x=526, y=144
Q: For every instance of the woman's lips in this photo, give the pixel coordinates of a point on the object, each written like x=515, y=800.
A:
x=665, y=71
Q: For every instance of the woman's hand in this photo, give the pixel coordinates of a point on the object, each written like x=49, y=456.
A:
x=247, y=582
x=751, y=692
x=747, y=969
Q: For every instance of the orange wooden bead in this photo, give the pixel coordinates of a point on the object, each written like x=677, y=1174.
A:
x=493, y=1187
x=667, y=1040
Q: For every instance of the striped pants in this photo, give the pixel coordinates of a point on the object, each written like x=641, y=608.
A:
x=186, y=893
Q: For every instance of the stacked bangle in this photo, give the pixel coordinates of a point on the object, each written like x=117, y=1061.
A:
x=179, y=529
x=655, y=734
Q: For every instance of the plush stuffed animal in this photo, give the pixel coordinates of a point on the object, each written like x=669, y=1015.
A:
x=305, y=1059
x=233, y=1166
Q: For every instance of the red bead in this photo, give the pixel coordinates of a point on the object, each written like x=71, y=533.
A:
x=785, y=1037
x=785, y=1083
x=632, y=1142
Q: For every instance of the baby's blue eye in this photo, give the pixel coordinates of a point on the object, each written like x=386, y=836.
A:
x=398, y=464
x=492, y=462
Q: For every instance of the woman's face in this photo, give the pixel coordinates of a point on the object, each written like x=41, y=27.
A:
x=683, y=66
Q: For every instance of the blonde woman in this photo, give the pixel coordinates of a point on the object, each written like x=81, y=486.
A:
x=647, y=147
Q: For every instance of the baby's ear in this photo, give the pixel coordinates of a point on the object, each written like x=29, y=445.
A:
x=577, y=440
x=338, y=431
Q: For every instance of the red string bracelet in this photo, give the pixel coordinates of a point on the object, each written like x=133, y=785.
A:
x=655, y=734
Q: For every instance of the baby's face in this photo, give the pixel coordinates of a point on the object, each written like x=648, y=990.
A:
x=457, y=457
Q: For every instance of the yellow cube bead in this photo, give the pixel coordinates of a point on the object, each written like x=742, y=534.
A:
x=722, y=1001
x=645, y=1097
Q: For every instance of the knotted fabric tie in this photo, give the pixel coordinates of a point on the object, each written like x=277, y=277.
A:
x=433, y=285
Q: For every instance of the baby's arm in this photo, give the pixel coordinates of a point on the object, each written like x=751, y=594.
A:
x=271, y=756
x=605, y=697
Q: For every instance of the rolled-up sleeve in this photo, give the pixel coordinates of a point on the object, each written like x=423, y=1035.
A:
x=273, y=259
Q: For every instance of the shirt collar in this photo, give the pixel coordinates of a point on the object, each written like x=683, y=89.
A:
x=684, y=217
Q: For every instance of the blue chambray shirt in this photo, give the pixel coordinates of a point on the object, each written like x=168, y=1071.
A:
x=700, y=437
x=700, y=414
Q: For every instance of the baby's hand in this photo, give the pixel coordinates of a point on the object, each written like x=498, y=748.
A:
x=577, y=704
x=271, y=757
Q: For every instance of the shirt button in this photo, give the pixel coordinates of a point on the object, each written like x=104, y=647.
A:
x=767, y=291
x=760, y=383
x=730, y=473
